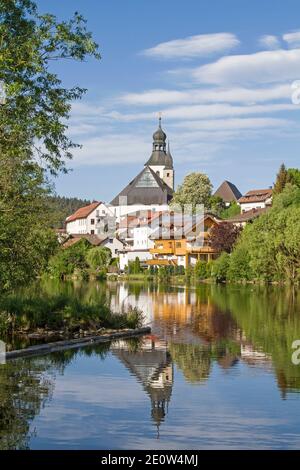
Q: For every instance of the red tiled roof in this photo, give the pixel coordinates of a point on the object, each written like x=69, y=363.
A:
x=247, y=216
x=83, y=212
x=256, y=195
x=94, y=240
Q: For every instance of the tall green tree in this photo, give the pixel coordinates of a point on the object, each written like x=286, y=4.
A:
x=196, y=189
x=37, y=104
x=281, y=180
x=33, y=125
x=26, y=237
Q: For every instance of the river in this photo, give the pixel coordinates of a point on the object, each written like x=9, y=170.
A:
x=216, y=372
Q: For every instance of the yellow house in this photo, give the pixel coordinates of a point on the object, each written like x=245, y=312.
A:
x=187, y=249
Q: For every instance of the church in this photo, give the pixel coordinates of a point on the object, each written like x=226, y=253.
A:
x=152, y=189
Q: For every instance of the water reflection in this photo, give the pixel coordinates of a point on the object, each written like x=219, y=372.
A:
x=152, y=366
x=208, y=340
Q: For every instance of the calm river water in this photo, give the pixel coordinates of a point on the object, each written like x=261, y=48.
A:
x=216, y=372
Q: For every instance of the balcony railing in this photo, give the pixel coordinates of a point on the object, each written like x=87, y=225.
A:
x=161, y=251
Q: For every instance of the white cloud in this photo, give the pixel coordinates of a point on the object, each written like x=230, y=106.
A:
x=219, y=110
x=154, y=97
x=293, y=39
x=203, y=111
x=269, y=41
x=237, y=124
x=260, y=67
x=206, y=95
x=201, y=45
x=203, y=137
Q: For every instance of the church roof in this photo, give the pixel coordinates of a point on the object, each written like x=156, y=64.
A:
x=160, y=158
x=228, y=192
x=146, y=188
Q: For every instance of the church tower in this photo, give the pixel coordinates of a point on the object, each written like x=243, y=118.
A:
x=161, y=161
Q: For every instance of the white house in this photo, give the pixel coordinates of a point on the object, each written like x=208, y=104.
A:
x=114, y=244
x=256, y=199
x=88, y=219
x=141, y=238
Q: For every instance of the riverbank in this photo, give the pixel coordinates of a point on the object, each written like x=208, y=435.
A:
x=39, y=315
x=42, y=349
x=186, y=280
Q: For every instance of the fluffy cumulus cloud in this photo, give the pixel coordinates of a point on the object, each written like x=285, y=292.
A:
x=201, y=45
x=268, y=41
x=260, y=67
x=206, y=95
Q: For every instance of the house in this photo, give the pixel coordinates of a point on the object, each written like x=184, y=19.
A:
x=112, y=243
x=137, y=237
x=184, y=245
x=244, y=218
x=152, y=189
x=228, y=192
x=256, y=199
x=88, y=219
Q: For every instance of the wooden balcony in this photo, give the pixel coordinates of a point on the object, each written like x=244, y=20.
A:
x=161, y=262
x=161, y=251
x=201, y=249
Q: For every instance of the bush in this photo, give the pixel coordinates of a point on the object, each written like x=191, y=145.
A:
x=67, y=260
x=61, y=312
x=134, y=267
x=219, y=268
x=201, y=271
x=239, y=268
x=98, y=257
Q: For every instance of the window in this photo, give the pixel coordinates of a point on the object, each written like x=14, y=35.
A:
x=178, y=244
x=92, y=232
x=168, y=174
x=92, y=221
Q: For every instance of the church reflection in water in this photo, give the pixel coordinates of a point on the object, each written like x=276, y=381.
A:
x=151, y=364
x=193, y=332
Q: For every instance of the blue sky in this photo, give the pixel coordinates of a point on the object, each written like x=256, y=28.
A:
x=219, y=71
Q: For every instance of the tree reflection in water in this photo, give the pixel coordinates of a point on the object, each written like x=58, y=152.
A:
x=193, y=329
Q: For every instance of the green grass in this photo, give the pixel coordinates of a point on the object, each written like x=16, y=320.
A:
x=30, y=312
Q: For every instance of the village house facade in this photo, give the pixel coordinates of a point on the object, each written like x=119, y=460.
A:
x=256, y=199
x=88, y=219
x=186, y=249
